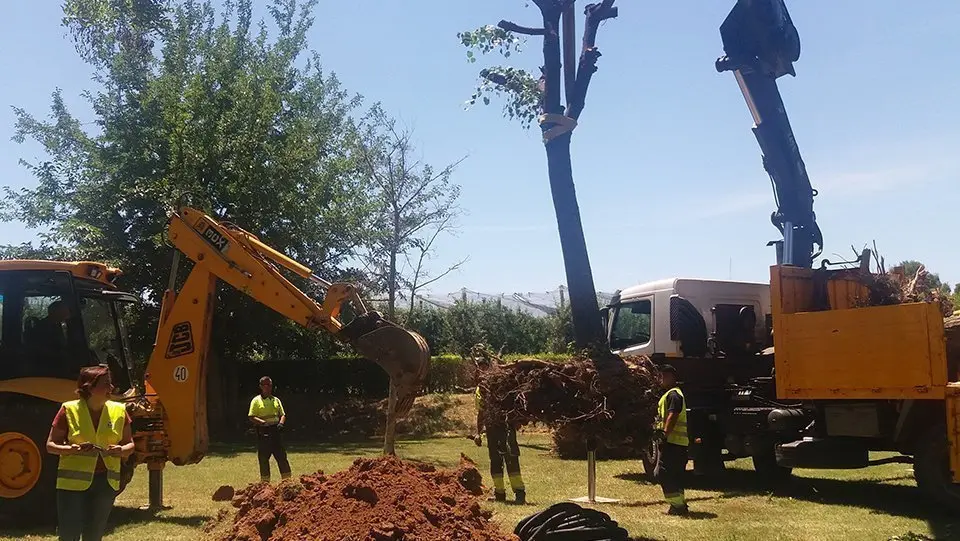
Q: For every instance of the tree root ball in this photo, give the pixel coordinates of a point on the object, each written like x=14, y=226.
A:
x=603, y=398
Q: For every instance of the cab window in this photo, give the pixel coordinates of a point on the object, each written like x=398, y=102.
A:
x=631, y=324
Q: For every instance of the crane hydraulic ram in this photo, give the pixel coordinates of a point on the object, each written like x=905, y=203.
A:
x=761, y=43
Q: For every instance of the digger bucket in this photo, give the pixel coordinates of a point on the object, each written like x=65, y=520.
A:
x=403, y=354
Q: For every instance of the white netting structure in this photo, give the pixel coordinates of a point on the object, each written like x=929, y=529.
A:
x=537, y=303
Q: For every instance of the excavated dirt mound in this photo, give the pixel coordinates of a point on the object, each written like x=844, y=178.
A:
x=375, y=499
x=223, y=494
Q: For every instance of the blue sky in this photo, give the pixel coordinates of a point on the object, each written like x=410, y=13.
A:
x=668, y=173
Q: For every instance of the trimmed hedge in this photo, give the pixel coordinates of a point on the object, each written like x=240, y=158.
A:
x=361, y=378
x=348, y=376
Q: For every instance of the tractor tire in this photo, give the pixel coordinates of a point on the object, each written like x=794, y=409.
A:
x=26, y=420
x=765, y=464
x=931, y=469
x=649, y=457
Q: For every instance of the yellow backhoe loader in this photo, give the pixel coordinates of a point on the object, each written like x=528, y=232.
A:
x=57, y=317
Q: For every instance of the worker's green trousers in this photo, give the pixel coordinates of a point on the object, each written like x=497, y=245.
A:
x=504, y=450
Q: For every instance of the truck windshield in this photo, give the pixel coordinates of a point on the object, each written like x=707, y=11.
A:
x=631, y=324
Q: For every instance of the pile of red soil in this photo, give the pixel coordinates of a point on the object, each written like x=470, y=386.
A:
x=375, y=499
x=223, y=494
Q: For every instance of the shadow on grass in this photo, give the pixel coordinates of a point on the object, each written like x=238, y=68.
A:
x=134, y=515
x=120, y=516
x=877, y=495
x=350, y=448
x=659, y=503
x=536, y=447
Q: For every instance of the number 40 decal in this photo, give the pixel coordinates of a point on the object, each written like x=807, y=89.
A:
x=180, y=374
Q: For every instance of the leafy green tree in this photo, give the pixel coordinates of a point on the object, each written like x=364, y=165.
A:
x=432, y=324
x=932, y=279
x=530, y=98
x=560, y=331
x=192, y=102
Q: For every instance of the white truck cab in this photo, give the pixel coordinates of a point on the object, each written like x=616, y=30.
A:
x=690, y=317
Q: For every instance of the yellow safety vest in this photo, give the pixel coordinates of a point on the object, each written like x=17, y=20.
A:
x=270, y=409
x=678, y=435
x=75, y=472
x=478, y=399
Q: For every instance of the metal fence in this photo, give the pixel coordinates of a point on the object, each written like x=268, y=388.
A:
x=537, y=303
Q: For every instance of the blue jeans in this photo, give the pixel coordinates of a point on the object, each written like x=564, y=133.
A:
x=85, y=513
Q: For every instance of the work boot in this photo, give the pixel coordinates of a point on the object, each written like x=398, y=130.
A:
x=679, y=511
x=521, y=496
x=498, y=497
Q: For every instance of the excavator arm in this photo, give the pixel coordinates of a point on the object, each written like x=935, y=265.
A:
x=176, y=373
x=761, y=43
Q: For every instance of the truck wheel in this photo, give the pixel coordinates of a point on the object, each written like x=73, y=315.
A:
x=931, y=468
x=649, y=456
x=28, y=474
x=765, y=464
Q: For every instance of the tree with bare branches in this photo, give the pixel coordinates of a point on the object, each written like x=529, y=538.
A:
x=414, y=203
x=530, y=98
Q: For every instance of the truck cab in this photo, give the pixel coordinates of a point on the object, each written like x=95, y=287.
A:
x=689, y=317
x=717, y=334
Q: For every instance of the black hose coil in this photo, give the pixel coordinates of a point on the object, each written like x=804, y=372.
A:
x=570, y=522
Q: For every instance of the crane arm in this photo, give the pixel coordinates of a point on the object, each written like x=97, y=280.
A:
x=176, y=372
x=761, y=43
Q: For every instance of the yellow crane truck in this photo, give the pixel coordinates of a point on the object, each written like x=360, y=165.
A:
x=56, y=317
x=806, y=371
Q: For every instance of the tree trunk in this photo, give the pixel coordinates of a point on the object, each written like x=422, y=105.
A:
x=392, y=278
x=587, y=328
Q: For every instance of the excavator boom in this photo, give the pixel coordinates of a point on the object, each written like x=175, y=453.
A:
x=222, y=251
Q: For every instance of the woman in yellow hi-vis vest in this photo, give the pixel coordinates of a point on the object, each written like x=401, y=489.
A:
x=673, y=442
x=91, y=435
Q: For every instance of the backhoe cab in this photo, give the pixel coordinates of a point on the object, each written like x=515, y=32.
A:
x=55, y=318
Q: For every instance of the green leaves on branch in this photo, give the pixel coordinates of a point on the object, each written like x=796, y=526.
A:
x=487, y=38
x=521, y=91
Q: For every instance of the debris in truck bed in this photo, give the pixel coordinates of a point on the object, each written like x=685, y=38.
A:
x=895, y=286
x=375, y=499
x=610, y=399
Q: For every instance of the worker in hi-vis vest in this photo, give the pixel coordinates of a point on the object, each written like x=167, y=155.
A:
x=502, y=447
x=267, y=415
x=90, y=435
x=672, y=441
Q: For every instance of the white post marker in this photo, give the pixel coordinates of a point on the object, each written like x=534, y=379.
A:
x=390, y=431
x=591, y=496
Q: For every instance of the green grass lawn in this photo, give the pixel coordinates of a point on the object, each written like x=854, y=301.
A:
x=871, y=504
